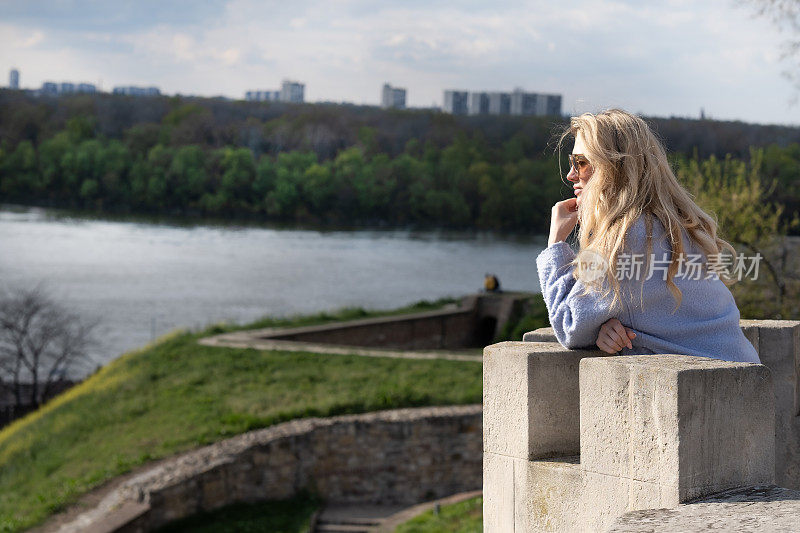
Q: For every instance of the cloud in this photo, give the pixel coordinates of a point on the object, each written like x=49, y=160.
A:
x=663, y=58
x=100, y=15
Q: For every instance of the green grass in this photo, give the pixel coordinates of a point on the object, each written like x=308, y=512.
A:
x=461, y=517
x=176, y=395
x=283, y=516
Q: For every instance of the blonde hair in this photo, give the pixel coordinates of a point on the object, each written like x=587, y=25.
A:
x=632, y=178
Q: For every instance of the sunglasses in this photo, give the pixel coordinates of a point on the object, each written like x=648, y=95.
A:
x=580, y=164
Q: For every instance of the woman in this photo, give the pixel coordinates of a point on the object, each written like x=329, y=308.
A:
x=632, y=214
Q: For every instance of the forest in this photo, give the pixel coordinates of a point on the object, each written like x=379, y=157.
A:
x=330, y=164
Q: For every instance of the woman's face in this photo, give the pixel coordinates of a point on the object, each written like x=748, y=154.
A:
x=579, y=181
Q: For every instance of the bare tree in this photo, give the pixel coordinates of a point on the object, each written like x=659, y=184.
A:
x=41, y=341
x=785, y=14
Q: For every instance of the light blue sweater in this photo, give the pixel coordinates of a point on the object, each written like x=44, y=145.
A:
x=706, y=323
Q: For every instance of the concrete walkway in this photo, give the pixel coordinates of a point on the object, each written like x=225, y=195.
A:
x=255, y=339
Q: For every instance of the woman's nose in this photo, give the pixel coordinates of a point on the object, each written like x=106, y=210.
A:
x=572, y=175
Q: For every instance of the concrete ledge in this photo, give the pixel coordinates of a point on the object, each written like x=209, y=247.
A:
x=760, y=509
x=653, y=431
x=540, y=335
x=778, y=346
x=685, y=426
x=530, y=399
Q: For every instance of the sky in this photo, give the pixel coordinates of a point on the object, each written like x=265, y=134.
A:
x=657, y=58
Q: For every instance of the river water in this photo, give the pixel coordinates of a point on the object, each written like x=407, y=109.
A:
x=145, y=279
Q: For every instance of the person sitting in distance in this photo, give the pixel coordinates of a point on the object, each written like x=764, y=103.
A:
x=491, y=283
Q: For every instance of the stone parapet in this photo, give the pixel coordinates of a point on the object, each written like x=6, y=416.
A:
x=778, y=345
x=653, y=431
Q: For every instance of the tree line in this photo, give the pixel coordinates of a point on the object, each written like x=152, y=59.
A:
x=321, y=163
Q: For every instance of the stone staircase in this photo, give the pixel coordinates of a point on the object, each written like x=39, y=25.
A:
x=345, y=518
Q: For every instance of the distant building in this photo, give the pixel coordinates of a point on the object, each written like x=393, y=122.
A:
x=456, y=102
x=292, y=91
x=393, y=97
x=50, y=88
x=517, y=102
x=57, y=89
x=553, y=105
x=499, y=103
x=13, y=79
x=478, y=104
x=523, y=103
x=263, y=96
x=131, y=90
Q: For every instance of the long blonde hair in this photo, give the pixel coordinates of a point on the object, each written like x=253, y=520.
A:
x=632, y=178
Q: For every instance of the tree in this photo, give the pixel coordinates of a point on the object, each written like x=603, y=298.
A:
x=40, y=342
x=735, y=192
x=785, y=14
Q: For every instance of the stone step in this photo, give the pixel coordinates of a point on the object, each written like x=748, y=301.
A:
x=344, y=528
x=352, y=520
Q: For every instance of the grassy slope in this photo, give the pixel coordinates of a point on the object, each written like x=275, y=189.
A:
x=461, y=517
x=176, y=395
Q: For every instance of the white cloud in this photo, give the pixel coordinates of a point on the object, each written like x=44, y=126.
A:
x=662, y=58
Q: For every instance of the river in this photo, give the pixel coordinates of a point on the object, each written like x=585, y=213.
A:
x=144, y=279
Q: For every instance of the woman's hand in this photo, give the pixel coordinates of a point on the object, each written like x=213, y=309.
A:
x=614, y=336
x=563, y=219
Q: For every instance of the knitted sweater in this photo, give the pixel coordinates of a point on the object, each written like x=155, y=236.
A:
x=706, y=323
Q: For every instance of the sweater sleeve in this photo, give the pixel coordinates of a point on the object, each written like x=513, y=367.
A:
x=576, y=318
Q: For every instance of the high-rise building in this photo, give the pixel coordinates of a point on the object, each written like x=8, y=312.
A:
x=455, y=102
x=499, y=103
x=517, y=102
x=50, y=88
x=263, y=96
x=393, y=97
x=13, y=79
x=131, y=90
x=478, y=103
x=66, y=87
x=553, y=104
x=523, y=103
x=292, y=91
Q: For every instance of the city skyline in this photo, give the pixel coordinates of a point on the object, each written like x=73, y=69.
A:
x=668, y=60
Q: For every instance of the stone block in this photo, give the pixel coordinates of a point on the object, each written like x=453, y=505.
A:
x=530, y=399
x=747, y=510
x=689, y=425
x=779, y=349
x=540, y=335
x=750, y=330
x=547, y=495
x=498, y=493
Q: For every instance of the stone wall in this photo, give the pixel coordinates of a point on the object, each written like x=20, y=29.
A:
x=653, y=432
x=442, y=329
x=473, y=323
x=778, y=346
x=402, y=456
